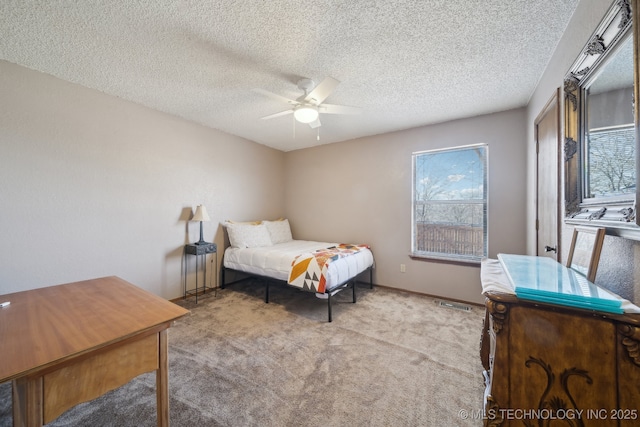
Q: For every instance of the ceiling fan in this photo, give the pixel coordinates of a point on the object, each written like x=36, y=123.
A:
x=308, y=107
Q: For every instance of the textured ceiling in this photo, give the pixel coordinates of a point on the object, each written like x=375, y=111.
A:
x=405, y=63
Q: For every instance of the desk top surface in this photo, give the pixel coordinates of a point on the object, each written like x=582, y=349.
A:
x=544, y=279
x=46, y=326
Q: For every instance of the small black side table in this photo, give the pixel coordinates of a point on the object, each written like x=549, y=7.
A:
x=200, y=251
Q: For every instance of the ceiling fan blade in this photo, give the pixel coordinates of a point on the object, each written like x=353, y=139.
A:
x=276, y=96
x=339, y=109
x=322, y=91
x=315, y=124
x=280, y=114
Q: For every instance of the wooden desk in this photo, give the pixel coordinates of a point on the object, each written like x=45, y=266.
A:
x=546, y=362
x=67, y=344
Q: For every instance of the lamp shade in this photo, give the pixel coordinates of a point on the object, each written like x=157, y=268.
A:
x=306, y=114
x=201, y=214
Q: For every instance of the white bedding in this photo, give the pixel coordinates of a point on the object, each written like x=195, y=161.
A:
x=275, y=261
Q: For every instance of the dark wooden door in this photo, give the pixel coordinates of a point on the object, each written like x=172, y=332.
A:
x=547, y=128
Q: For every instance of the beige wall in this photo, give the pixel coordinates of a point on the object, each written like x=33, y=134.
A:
x=91, y=185
x=360, y=192
x=619, y=268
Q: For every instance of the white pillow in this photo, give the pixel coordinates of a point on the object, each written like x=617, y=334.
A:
x=279, y=231
x=248, y=235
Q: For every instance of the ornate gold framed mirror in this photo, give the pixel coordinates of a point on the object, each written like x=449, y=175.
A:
x=601, y=132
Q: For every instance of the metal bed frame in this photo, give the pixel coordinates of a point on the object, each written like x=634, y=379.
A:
x=269, y=280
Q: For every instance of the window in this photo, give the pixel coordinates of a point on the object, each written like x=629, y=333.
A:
x=450, y=203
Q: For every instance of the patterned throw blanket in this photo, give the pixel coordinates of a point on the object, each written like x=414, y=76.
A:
x=308, y=270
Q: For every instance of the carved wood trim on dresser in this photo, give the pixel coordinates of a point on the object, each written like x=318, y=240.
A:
x=631, y=341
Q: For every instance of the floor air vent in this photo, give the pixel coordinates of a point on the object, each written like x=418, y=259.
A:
x=454, y=305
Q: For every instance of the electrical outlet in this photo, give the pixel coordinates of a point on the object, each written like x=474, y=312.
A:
x=403, y=268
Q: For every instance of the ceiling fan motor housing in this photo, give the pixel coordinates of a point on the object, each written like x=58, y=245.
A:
x=306, y=85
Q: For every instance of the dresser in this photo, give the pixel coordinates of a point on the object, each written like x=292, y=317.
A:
x=557, y=360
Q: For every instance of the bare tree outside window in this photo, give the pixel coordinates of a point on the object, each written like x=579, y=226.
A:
x=611, y=162
x=450, y=203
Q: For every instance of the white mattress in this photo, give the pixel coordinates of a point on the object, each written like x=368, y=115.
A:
x=275, y=261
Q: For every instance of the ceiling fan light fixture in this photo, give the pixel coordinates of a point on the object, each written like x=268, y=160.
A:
x=306, y=114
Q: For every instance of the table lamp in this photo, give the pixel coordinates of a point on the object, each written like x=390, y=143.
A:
x=201, y=215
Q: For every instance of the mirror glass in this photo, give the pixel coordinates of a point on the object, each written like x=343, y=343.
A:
x=582, y=252
x=609, y=153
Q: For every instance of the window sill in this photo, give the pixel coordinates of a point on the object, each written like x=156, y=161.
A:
x=473, y=262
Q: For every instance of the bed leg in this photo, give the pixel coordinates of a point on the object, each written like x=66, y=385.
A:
x=329, y=305
x=355, y=285
x=266, y=292
x=370, y=277
x=222, y=278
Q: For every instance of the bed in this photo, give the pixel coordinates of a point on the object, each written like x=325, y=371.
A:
x=266, y=250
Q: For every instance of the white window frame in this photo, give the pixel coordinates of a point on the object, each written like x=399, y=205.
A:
x=451, y=227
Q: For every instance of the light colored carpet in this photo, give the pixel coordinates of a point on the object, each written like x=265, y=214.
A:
x=391, y=359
